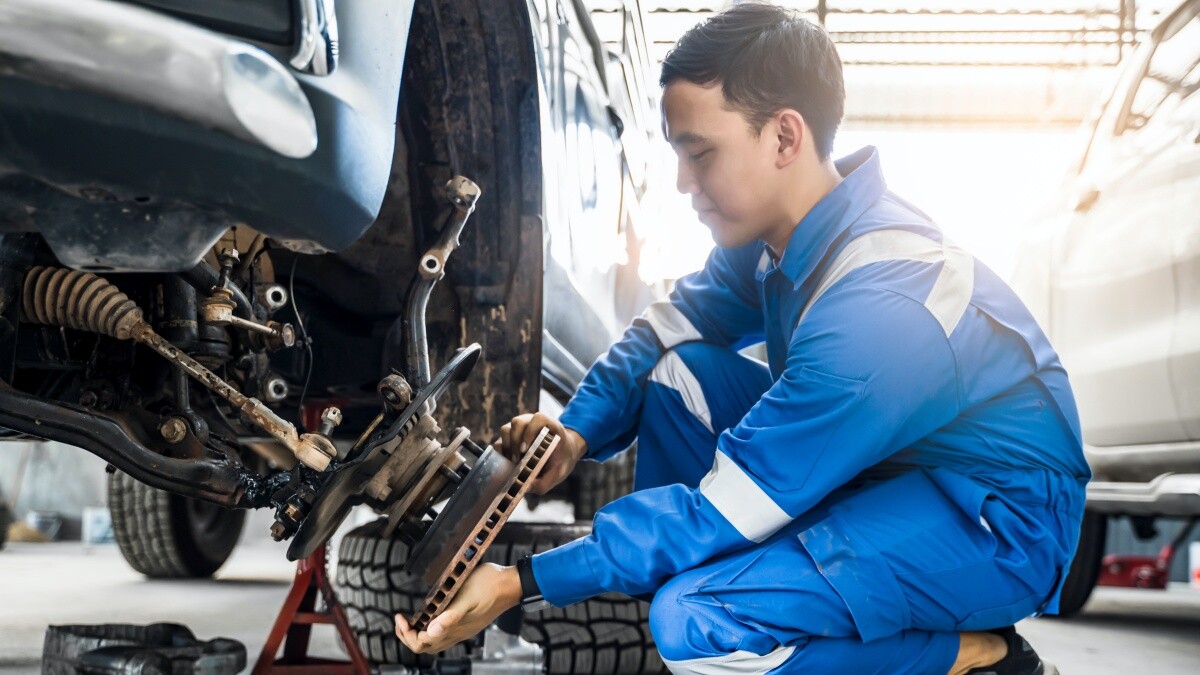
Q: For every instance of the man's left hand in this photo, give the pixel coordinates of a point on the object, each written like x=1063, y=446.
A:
x=487, y=593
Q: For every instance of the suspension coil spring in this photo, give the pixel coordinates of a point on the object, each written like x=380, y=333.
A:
x=69, y=298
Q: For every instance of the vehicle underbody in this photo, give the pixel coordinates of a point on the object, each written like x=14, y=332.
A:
x=263, y=351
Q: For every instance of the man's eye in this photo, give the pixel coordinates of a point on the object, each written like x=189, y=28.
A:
x=698, y=155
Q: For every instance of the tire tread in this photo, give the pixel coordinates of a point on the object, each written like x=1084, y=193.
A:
x=607, y=635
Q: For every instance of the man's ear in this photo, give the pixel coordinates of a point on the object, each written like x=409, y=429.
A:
x=791, y=133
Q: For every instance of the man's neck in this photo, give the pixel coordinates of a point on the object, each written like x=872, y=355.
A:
x=813, y=189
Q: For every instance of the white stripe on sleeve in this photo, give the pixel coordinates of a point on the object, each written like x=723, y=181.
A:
x=672, y=372
x=741, y=501
x=670, y=325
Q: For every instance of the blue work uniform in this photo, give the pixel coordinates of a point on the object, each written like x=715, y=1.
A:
x=907, y=465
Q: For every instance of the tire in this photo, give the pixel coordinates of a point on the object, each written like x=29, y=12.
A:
x=1085, y=567
x=165, y=536
x=6, y=519
x=596, y=484
x=609, y=634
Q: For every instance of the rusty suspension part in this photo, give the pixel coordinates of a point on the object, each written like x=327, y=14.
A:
x=219, y=309
x=83, y=301
x=462, y=194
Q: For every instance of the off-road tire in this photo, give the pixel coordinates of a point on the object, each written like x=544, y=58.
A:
x=594, y=485
x=165, y=536
x=1085, y=567
x=605, y=635
x=6, y=519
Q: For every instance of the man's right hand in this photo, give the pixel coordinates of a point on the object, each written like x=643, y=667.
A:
x=516, y=436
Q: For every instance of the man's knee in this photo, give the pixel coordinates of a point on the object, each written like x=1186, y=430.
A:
x=672, y=619
x=696, y=634
x=689, y=624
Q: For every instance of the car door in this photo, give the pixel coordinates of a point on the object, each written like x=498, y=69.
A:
x=1179, y=113
x=1114, y=294
x=585, y=171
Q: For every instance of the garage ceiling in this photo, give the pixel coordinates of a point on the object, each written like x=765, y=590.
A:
x=948, y=61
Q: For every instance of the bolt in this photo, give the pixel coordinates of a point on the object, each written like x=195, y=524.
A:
x=273, y=296
x=395, y=391
x=278, y=531
x=287, y=335
x=275, y=389
x=462, y=191
x=330, y=418
x=173, y=430
x=88, y=399
x=292, y=511
x=227, y=257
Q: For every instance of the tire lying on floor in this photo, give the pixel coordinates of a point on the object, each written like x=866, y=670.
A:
x=165, y=536
x=605, y=635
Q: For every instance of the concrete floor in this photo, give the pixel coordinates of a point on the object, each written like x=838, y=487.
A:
x=1121, y=631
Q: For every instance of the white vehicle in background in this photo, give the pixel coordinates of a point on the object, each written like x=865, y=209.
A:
x=1114, y=279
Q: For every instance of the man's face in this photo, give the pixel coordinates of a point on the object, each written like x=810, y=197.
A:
x=729, y=171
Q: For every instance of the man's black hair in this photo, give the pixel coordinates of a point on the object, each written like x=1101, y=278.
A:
x=766, y=59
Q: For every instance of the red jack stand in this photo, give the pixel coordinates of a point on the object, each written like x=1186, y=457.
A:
x=295, y=622
x=1143, y=571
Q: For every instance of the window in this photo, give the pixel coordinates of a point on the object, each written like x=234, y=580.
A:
x=1172, y=74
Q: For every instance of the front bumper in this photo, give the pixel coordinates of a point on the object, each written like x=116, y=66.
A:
x=1175, y=495
x=153, y=60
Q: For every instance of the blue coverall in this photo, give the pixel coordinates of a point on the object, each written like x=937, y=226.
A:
x=906, y=466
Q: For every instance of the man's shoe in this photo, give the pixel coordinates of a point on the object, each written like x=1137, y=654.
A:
x=1020, y=660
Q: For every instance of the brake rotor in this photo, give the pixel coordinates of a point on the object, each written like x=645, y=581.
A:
x=344, y=487
x=467, y=526
x=473, y=498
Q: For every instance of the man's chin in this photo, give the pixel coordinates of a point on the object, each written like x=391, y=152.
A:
x=728, y=239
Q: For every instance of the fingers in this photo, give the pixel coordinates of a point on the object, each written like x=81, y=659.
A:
x=406, y=634
x=517, y=435
x=521, y=432
x=445, y=620
x=432, y=639
x=540, y=421
x=505, y=441
x=516, y=448
x=511, y=434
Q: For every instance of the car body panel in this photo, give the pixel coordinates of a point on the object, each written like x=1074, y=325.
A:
x=1185, y=348
x=78, y=143
x=1113, y=275
x=605, y=121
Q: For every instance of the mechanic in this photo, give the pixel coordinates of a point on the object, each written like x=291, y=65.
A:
x=892, y=491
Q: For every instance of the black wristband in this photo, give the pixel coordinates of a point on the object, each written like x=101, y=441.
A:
x=531, y=595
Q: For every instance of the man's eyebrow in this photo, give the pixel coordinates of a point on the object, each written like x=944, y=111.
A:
x=688, y=138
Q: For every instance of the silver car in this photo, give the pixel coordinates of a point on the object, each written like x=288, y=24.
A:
x=1114, y=278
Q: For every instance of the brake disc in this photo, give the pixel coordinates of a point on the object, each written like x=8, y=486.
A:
x=467, y=526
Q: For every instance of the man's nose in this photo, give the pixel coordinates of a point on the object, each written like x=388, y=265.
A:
x=685, y=180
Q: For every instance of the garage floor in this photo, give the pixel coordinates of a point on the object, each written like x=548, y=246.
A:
x=1122, y=631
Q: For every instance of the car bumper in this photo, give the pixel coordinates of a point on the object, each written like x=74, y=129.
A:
x=149, y=59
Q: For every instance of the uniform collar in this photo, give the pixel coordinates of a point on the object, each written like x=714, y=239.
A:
x=862, y=184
